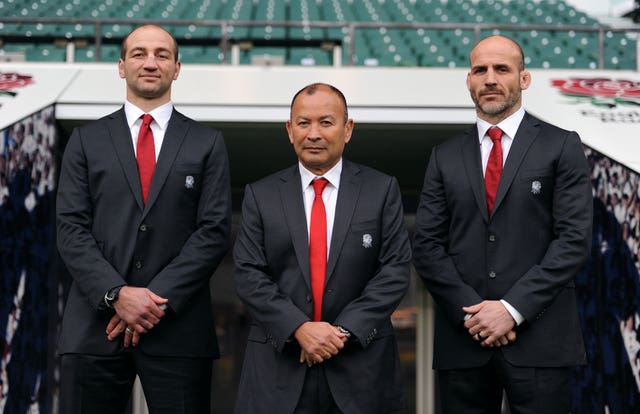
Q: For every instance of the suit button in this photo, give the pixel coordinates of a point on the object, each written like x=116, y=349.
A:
x=138, y=265
x=492, y=274
x=308, y=297
x=143, y=227
x=492, y=237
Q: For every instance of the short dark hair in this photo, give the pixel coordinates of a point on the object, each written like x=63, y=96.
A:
x=123, y=46
x=313, y=88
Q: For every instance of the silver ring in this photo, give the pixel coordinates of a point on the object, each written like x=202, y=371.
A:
x=129, y=330
x=480, y=338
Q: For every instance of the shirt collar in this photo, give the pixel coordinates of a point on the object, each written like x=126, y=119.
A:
x=161, y=114
x=333, y=175
x=508, y=125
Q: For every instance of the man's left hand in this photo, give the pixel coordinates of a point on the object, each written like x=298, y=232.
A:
x=490, y=322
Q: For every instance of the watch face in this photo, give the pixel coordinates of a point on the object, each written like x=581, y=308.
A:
x=112, y=295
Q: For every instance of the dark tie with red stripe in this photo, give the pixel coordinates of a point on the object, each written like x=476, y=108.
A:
x=494, y=167
x=318, y=247
x=145, y=155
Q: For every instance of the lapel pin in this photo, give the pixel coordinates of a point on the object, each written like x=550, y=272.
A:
x=536, y=186
x=188, y=181
x=367, y=241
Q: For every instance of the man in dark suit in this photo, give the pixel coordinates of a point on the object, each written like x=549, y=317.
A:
x=141, y=243
x=321, y=345
x=499, y=254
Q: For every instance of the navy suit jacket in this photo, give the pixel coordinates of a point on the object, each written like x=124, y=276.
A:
x=365, y=283
x=108, y=237
x=527, y=253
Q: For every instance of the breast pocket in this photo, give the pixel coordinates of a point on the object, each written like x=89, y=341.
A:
x=538, y=183
x=364, y=237
x=188, y=176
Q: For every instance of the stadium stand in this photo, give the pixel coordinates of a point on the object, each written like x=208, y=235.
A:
x=371, y=32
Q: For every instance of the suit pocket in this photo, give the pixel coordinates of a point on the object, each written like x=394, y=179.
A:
x=539, y=173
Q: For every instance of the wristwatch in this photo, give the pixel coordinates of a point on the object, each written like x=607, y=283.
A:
x=346, y=332
x=112, y=296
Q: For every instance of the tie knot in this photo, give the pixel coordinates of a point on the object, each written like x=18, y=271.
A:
x=495, y=133
x=146, y=119
x=319, y=185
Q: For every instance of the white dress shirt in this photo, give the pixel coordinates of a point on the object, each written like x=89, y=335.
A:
x=161, y=116
x=509, y=127
x=329, y=196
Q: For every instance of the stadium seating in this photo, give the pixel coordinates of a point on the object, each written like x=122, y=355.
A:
x=376, y=45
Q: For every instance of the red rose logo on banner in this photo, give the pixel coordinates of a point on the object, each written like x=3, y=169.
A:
x=12, y=80
x=601, y=91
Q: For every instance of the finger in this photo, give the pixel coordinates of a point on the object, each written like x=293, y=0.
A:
x=113, y=323
x=117, y=330
x=135, y=338
x=140, y=329
x=128, y=333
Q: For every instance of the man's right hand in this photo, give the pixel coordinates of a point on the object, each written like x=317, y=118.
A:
x=319, y=341
x=139, y=308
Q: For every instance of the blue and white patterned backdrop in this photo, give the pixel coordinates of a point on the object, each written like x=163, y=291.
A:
x=27, y=196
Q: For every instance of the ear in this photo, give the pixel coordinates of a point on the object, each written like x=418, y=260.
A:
x=348, y=127
x=525, y=79
x=469, y=81
x=289, y=132
x=121, y=68
x=178, y=66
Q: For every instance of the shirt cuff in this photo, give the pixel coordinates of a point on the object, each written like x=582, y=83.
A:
x=517, y=316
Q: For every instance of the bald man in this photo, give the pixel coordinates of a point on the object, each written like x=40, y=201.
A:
x=502, y=228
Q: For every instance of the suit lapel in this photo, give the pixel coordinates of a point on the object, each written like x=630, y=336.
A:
x=472, y=161
x=348, y=193
x=290, y=188
x=177, y=130
x=121, y=137
x=526, y=134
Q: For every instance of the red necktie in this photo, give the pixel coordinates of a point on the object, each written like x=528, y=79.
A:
x=318, y=247
x=145, y=155
x=494, y=167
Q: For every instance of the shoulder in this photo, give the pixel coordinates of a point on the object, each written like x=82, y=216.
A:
x=546, y=129
x=195, y=127
x=376, y=180
x=270, y=180
x=453, y=144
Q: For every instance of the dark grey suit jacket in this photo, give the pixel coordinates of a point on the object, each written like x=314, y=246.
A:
x=172, y=245
x=365, y=282
x=528, y=252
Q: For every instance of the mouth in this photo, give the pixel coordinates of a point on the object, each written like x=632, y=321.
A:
x=314, y=149
x=490, y=94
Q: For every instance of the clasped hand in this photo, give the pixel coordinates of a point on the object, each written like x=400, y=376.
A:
x=137, y=311
x=319, y=341
x=490, y=323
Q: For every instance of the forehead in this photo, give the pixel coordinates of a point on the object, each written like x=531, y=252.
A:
x=150, y=37
x=323, y=101
x=495, y=51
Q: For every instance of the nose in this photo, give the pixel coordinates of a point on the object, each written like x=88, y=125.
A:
x=490, y=79
x=150, y=62
x=314, y=132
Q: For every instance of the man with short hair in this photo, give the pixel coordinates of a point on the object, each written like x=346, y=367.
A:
x=502, y=229
x=322, y=260
x=143, y=220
